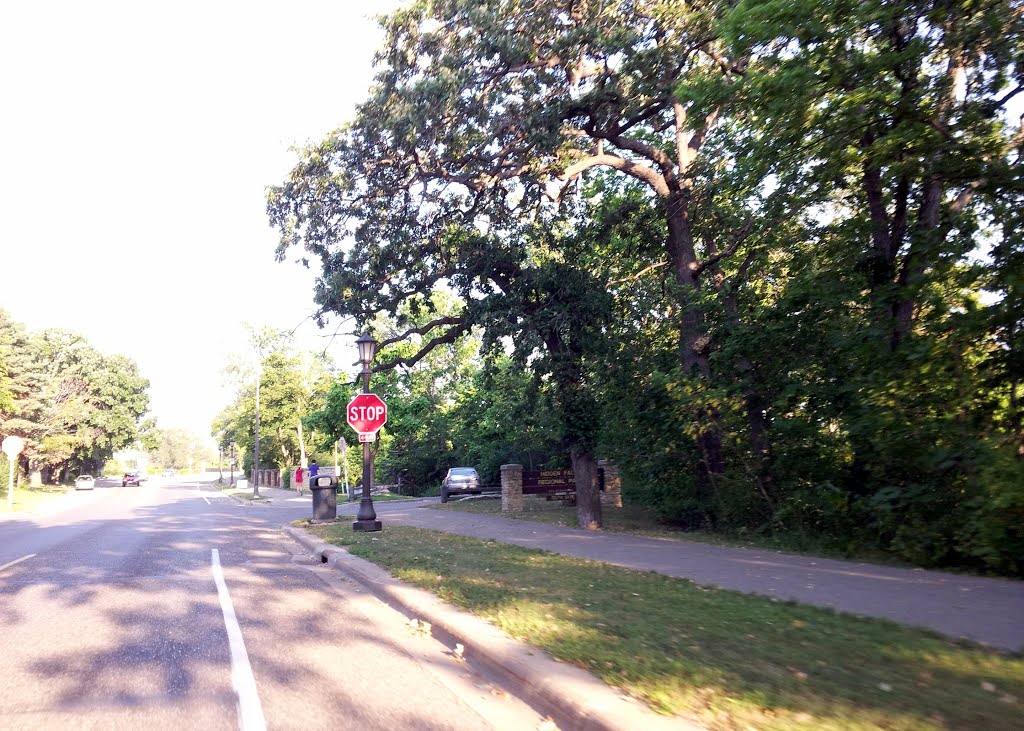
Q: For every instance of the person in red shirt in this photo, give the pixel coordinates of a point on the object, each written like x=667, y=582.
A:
x=298, y=480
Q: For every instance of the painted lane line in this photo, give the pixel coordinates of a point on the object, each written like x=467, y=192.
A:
x=17, y=560
x=250, y=712
x=199, y=491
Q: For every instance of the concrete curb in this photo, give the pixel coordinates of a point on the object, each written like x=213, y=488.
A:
x=574, y=698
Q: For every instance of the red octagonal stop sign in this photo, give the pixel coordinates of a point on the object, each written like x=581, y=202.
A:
x=366, y=413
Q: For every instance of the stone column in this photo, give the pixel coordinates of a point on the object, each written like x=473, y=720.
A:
x=612, y=495
x=511, y=488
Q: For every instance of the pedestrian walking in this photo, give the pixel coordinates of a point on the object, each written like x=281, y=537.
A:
x=314, y=469
x=298, y=479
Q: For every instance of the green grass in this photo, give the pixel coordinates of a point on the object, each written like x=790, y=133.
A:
x=376, y=498
x=731, y=660
x=27, y=500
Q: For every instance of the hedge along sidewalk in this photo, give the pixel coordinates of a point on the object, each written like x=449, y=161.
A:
x=730, y=660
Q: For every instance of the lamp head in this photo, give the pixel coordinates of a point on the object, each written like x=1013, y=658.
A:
x=367, y=349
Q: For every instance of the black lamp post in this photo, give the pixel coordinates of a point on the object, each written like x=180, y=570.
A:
x=366, y=518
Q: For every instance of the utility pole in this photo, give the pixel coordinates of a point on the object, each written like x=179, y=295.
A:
x=256, y=457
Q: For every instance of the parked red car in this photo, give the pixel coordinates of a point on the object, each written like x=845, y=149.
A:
x=131, y=478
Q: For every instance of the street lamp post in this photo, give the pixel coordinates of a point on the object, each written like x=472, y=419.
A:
x=231, y=461
x=366, y=518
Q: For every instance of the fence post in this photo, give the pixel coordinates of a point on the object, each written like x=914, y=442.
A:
x=511, y=488
x=612, y=495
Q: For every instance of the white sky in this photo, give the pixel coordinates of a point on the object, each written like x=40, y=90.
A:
x=137, y=141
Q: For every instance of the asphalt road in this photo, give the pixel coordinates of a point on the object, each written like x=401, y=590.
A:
x=171, y=606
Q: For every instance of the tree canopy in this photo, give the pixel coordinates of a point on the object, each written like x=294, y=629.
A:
x=73, y=405
x=766, y=254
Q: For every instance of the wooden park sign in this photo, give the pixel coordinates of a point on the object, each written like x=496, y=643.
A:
x=539, y=482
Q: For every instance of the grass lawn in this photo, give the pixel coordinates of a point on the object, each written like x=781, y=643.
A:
x=27, y=500
x=730, y=660
x=342, y=498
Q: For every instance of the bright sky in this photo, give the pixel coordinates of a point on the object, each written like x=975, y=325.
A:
x=137, y=140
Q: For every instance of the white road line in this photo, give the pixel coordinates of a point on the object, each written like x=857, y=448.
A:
x=17, y=560
x=250, y=712
x=199, y=489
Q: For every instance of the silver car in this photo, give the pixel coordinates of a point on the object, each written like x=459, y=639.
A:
x=84, y=482
x=460, y=481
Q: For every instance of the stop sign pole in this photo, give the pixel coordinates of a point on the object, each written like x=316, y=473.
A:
x=366, y=413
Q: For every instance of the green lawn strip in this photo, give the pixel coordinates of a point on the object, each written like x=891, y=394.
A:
x=27, y=500
x=342, y=497
x=731, y=660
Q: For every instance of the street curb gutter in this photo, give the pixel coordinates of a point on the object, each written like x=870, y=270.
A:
x=574, y=698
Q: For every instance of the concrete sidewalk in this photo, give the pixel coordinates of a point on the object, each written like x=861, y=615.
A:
x=985, y=610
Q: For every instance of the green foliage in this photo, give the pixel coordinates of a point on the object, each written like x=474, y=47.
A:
x=73, y=405
x=767, y=256
x=291, y=384
x=178, y=449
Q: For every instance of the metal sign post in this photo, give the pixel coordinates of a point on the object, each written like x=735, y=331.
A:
x=344, y=462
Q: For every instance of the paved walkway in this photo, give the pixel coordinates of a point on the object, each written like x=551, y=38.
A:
x=986, y=610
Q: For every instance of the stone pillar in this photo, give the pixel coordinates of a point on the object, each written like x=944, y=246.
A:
x=276, y=474
x=612, y=495
x=511, y=488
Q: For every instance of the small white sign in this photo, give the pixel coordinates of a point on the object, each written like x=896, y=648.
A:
x=13, y=445
x=368, y=437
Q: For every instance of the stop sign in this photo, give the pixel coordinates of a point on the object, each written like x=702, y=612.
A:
x=366, y=413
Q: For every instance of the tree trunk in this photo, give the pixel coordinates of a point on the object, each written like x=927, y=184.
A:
x=302, y=444
x=694, y=343
x=693, y=338
x=588, y=494
x=757, y=421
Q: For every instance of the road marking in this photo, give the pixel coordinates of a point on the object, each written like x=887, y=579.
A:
x=199, y=489
x=250, y=712
x=17, y=560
